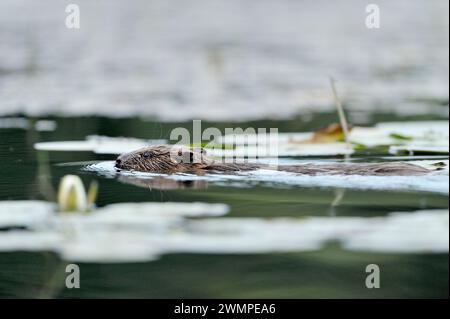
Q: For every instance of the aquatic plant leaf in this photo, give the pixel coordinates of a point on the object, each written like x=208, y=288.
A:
x=330, y=134
x=400, y=137
x=98, y=144
x=143, y=232
x=92, y=195
x=430, y=136
x=25, y=213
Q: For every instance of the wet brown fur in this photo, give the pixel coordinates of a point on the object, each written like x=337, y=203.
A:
x=170, y=159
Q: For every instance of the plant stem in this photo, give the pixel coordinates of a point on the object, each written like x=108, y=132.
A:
x=341, y=113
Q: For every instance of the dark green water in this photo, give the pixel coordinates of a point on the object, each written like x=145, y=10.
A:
x=329, y=273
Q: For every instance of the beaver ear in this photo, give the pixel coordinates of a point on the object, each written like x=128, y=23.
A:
x=196, y=156
x=184, y=156
x=200, y=150
x=191, y=156
x=188, y=155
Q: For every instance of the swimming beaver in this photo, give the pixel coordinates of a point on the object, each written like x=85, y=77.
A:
x=169, y=159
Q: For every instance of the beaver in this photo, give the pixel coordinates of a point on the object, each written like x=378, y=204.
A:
x=170, y=159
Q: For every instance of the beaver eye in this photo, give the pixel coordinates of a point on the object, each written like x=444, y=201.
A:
x=146, y=155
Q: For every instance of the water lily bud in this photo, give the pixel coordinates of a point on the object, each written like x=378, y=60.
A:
x=72, y=195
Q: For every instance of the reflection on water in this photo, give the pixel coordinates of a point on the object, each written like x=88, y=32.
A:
x=163, y=183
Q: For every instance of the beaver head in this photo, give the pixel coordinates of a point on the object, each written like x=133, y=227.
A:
x=165, y=159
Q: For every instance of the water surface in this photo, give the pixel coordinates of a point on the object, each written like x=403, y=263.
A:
x=330, y=271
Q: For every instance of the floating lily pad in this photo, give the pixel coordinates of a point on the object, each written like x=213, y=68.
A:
x=143, y=232
x=119, y=232
x=285, y=150
x=25, y=213
x=426, y=136
x=423, y=137
x=421, y=231
x=99, y=145
x=430, y=137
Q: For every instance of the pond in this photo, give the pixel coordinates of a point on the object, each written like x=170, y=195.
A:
x=72, y=99
x=264, y=260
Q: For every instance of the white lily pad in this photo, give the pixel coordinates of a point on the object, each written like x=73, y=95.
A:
x=34, y=213
x=118, y=232
x=285, y=150
x=426, y=136
x=430, y=130
x=143, y=232
x=421, y=231
x=25, y=213
x=431, y=137
x=99, y=145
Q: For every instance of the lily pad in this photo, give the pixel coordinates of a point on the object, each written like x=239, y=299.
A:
x=99, y=145
x=120, y=232
x=143, y=232
x=430, y=136
x=424, y=137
